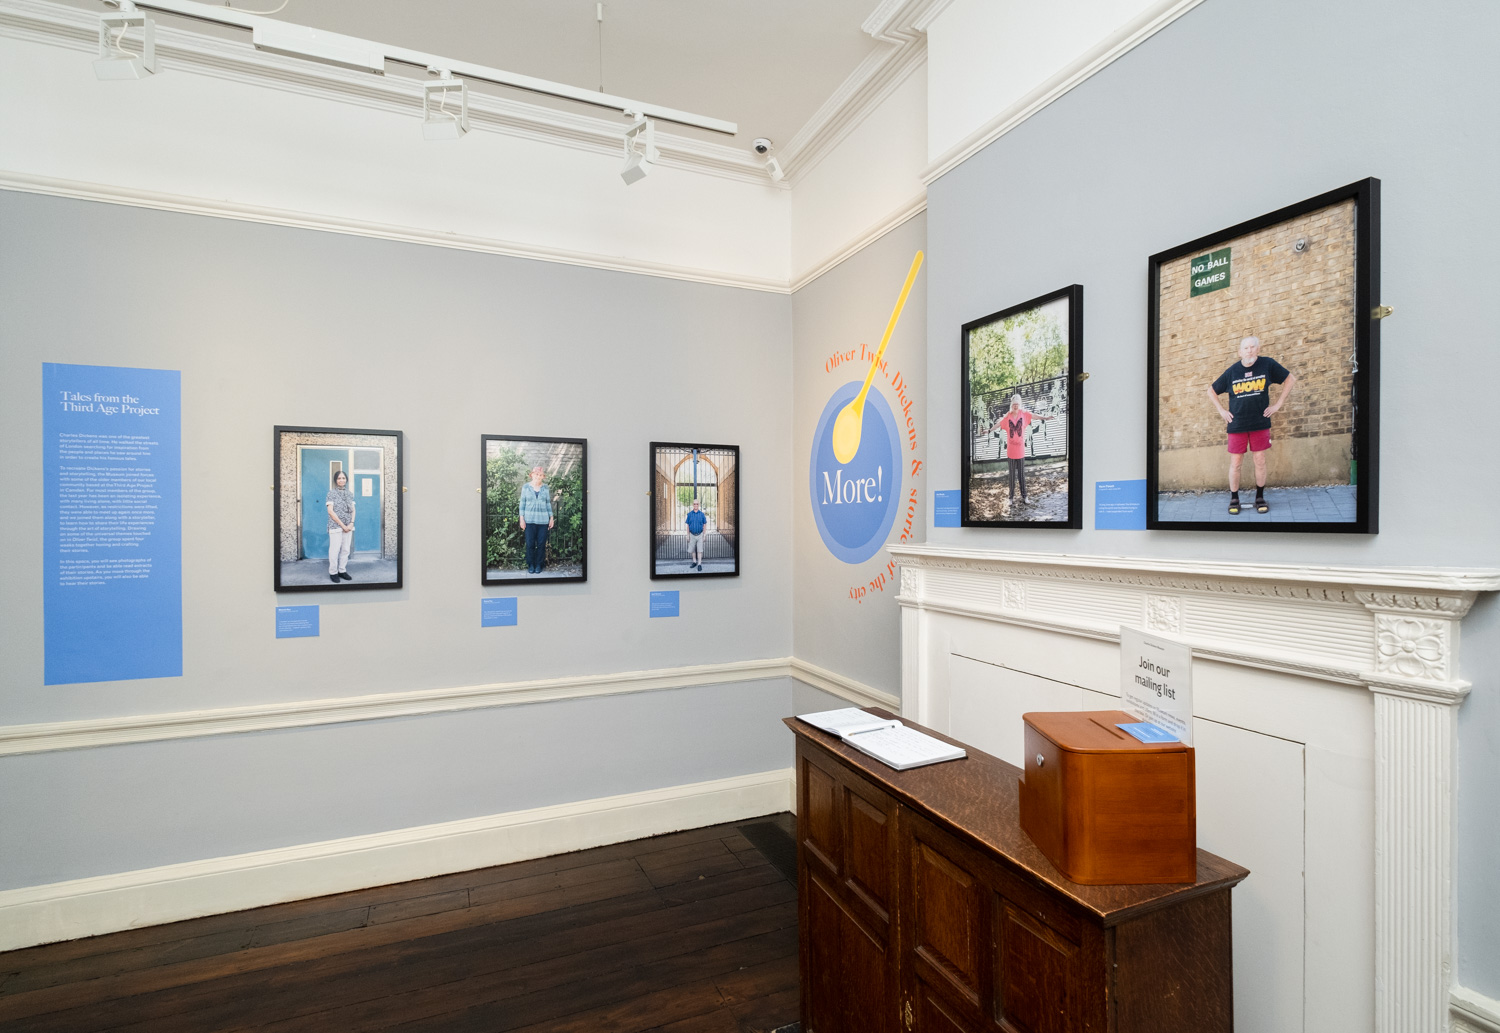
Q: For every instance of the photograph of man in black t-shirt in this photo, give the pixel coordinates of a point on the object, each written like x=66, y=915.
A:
x=1248, y=385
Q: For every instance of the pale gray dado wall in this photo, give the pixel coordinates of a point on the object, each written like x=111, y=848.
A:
x=273, y=325
x=847, y=305
x=1235, y=110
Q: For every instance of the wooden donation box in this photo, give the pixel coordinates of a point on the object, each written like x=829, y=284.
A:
x=1104, y=806
x=924, y=908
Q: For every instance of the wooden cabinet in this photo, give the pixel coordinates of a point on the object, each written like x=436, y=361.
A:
x=925, y=908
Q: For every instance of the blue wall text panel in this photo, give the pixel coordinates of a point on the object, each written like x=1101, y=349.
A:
x=112, y=523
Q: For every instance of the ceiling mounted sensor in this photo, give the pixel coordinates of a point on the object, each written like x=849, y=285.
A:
x=773, y=169
x=438, y=122
x=640, y=149
x=114, y=61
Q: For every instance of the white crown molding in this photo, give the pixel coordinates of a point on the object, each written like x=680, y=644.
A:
x=181, y=50
x=1394, y=631
x=1117, y=44
x=1472, y=1012
x=836, y=684
x=47, y=737
x=223, y=209
x=900, y=27
x=174, y=892
x=916, y=206
x=902, y=21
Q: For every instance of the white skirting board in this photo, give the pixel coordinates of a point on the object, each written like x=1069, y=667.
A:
x=1472, y=1012
x=153, y=896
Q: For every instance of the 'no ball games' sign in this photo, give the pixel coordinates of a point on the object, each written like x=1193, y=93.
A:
x=1209, y=272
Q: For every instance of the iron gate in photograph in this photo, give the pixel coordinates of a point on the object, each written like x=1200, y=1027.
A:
x=1047, y=439
x=708, y=475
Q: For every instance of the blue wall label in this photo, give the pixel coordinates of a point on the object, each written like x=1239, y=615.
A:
x=855, y=503
x=296, y=622
x=497, y=613
x=1120, y=505
x=945, y=507
x=664, y=604
x=111, y=523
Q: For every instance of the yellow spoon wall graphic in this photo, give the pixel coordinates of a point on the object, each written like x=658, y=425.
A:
x=850, y=424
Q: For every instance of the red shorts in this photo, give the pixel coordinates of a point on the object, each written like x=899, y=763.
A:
x=1256, y=440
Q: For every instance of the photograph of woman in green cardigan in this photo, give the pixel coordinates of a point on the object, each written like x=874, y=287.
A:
x=533, y=513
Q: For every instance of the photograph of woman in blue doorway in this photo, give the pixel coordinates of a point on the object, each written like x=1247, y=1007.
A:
x=338, y=509
x=534, y=518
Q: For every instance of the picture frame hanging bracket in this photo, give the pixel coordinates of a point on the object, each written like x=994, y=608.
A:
x=1381, y=311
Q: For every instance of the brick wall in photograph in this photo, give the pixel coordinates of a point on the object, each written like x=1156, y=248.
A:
x=1301, y=306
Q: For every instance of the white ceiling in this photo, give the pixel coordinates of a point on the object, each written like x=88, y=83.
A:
x=766, y=65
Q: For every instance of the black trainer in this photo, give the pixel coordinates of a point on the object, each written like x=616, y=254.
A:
x=346, y=575
x=334, y=578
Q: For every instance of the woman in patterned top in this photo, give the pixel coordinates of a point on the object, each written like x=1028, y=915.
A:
x=340, y=502
x=536, y=519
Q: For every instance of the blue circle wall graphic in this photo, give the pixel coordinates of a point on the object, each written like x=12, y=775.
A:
x=855, y=503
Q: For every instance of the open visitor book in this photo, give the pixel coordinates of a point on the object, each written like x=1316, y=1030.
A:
x=889, y=742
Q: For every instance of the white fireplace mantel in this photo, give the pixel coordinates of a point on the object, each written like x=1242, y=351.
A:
x=1392, y=630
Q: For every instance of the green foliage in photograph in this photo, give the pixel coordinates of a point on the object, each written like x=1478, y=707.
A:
x=504, y=541
x=1020, y=349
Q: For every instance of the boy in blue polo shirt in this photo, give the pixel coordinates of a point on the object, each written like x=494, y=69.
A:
x=696, y=521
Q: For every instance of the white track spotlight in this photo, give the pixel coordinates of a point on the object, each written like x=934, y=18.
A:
x=114, y=61
x=773, y=168
x=438, y=121
x=640, y=149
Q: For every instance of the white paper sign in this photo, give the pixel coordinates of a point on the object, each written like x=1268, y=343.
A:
x=1156, y=681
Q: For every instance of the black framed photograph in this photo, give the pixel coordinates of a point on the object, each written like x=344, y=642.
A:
x=1022, y=441
x=695, y=510
x=337, y=509
x=534, y=509
x=1263, y=372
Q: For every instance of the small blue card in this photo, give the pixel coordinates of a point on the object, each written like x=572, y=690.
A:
x=497, y=613
x=1120, y=505
x=296, y=622
x=664, y=604
x=1145, y=731
x=945, y=507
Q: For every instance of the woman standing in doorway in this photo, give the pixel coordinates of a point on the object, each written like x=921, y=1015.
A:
x=340, y=502
x=536, y=519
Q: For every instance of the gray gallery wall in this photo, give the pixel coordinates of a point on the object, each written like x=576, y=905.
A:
x=846, y=306
x=1235, y=110
x=273, y=325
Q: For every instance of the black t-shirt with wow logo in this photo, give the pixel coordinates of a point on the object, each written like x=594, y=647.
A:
x=1248, y=388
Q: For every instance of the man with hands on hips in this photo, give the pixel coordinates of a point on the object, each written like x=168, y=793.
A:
x=1248, y=418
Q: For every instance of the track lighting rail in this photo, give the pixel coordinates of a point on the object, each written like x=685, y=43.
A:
x=283, y=37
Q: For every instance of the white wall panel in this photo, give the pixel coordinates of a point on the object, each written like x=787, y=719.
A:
x=871, y=176
x=987, y=54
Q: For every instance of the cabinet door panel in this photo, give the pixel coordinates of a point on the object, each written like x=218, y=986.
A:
x=1037, y=974
x=820, y=939
x=867, y=853
x=849, y=974
x=934, y=1016
x=945, y=920
x=818, y=820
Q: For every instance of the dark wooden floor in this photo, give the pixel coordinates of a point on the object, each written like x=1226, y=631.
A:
x=694, y=932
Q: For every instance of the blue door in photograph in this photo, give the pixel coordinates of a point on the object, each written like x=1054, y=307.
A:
x=318, y=468
x=368, y=512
